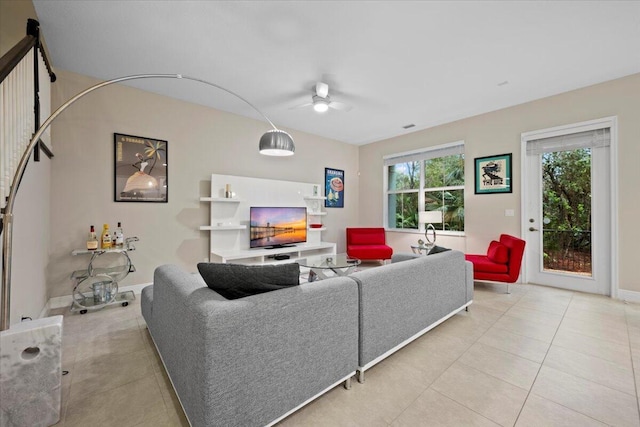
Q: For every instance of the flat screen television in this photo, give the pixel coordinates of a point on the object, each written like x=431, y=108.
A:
x=276, y=227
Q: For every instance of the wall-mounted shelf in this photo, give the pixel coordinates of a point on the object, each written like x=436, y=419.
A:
x=310, y=213
x=221, y=199
x=223, y=227
x=315, y=198
x=317, y=229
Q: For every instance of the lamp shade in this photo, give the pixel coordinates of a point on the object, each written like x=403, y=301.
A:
x=430, y=217
x=277, y=142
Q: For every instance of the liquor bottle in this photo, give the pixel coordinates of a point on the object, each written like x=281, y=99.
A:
x=92, y=240
x=119, y=239
x=106, y=237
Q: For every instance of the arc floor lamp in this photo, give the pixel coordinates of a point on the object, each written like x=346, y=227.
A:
x=274, y=142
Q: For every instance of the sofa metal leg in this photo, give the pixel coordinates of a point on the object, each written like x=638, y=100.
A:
x=361, y=377
x=347, y=383
x=508, y=289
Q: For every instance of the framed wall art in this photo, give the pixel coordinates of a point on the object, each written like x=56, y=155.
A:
x=493, y=174
x=334, y=188
x=140, y=169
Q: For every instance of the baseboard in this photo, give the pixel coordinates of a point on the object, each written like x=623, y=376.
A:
x=66, y=300
x=631, y=296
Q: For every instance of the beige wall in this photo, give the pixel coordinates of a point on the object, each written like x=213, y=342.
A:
x=29, y=293
x=13, y=22
x=201, y=141
x=499, y=132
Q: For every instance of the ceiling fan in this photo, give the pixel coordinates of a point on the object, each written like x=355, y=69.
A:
x=321, y=101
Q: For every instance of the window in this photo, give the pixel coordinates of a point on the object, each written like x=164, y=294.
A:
x=431, y=180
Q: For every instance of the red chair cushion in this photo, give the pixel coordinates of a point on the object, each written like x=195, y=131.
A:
x=482, y=263
x=498, y=252
x=369, y=251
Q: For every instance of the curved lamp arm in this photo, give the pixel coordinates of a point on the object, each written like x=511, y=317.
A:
x=283, y=141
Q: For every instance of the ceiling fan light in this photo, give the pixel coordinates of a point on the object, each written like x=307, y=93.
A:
x=320, y=106
x=277, y=142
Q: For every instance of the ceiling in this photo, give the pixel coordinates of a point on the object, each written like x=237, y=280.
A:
x=396, y=63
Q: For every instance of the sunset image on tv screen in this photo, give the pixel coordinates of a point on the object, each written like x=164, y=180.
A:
x=277, y=226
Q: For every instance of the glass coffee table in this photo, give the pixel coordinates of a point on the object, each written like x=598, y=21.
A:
x=319, y=265
x=420, y=248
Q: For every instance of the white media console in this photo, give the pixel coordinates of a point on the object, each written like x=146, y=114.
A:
x=229, y=218
x=267, y=256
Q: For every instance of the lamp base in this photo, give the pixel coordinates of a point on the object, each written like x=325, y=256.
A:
x=430, y=241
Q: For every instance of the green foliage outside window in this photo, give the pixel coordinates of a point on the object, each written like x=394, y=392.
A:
x=443, y=190
x=566, y=202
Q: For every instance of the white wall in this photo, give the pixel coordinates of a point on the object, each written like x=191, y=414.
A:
x=31, y=234
x=201, y=141
x=499, y=132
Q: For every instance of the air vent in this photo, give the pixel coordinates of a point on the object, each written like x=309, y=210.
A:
x=408, y=126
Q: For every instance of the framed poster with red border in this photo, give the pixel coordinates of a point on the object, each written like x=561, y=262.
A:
x=334, y=188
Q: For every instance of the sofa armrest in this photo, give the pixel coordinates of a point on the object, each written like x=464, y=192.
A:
x=469, y=279
x=404, y=257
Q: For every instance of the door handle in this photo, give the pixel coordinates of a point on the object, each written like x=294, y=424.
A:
x=533, y=229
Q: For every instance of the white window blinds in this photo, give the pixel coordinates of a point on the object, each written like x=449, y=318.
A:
x=425, y=154
x=573, y=141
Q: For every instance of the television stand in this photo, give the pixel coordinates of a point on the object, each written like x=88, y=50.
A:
x=279, y=246
x=268, y=256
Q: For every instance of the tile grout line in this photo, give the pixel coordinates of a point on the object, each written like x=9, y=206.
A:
x=450, y=365
x=542, y=364
x=445, y=370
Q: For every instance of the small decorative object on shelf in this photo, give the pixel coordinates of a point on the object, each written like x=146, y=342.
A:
x=105, y=239
x=119, y=239
x=92, y=240
x=227, y=192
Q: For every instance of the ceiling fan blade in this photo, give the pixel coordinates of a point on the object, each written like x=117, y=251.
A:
x=322, y=89
x=339, y=106
x=308, y=104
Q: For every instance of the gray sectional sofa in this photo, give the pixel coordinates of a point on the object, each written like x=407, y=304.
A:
x=254, y=360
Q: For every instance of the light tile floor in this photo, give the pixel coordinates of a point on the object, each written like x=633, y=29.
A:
x=536, y=357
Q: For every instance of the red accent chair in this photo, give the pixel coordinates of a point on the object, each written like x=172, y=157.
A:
x=502, y=261
x=367, y=244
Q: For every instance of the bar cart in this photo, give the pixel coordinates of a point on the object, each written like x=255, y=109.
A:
x=97, y=286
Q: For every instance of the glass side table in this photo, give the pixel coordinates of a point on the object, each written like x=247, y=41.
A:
x=340, y=265
x=421, y=249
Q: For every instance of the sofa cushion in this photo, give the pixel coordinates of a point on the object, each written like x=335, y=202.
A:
x=481, y=263
x=498, y=252
x=234, y=281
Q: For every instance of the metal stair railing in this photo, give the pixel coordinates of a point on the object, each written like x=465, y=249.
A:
x=25, y=96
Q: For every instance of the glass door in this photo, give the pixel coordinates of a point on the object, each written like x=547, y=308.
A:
x=568, y=220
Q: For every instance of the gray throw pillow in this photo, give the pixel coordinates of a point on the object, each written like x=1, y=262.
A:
x=437, y=249
x=234, y=281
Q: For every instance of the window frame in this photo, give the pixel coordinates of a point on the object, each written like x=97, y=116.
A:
x=420, y=155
